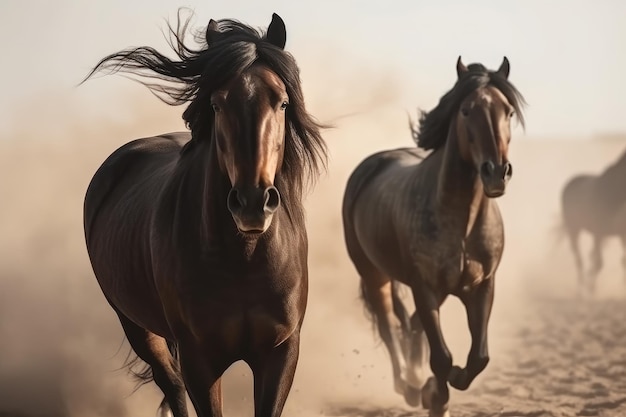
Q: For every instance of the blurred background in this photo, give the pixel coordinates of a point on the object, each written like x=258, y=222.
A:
x=365, y=67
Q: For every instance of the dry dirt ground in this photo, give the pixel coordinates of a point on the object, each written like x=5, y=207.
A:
x=60, y=345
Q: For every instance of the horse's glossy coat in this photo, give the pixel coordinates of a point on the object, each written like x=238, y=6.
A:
x=198, y=240
x=432, y=224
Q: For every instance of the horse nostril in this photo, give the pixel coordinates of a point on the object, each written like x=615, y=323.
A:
x=487, y=169
x=508, y=170
x=236, y=200
x=272, y=199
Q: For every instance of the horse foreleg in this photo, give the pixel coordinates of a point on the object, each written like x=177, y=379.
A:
x=578, y=261
x=203, y=381
x=596, y=263
x=478, y=305
x=153, y=350
x=435, y=393
x=273, y=377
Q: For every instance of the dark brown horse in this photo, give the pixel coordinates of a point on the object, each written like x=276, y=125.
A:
x=433, y=224
x=595, y=204
x=198, y=240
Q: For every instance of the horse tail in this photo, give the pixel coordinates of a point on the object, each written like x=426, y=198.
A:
x=141, y=371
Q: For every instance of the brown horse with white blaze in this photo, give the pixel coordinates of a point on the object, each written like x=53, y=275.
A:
x=433, y=224
x=198, y=240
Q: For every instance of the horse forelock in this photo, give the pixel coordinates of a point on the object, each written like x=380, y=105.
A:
x=433, y=126
x=198, y=71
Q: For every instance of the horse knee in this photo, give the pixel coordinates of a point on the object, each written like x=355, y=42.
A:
x=481, y=363
x=441, y=364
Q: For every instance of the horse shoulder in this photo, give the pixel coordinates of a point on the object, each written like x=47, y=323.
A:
x=130, y=157
x=484, y=246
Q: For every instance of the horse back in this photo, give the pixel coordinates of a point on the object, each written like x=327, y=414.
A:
x=371, y=168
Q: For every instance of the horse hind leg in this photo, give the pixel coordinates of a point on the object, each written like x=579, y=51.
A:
x=573, y=236
x=417, y=361
x=377, y=295
x=415, y=347
x=154, y=351
x=596, y=263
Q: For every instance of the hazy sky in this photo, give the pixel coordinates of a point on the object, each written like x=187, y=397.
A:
x=567, y=57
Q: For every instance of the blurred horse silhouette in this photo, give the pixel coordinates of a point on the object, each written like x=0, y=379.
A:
x=433, y=224
x=595, y=204
x=198, y=240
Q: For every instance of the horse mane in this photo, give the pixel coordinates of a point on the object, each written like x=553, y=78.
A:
x=433, y=126
x=619, y=166
x=614, y=174
x=193, y=75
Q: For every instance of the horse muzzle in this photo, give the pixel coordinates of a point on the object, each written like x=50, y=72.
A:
x=495, y=178
x=253, y=208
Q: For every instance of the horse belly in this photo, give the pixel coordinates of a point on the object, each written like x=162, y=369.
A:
x=119, y=262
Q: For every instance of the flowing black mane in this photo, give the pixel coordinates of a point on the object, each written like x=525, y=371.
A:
x=434, y=125
x=617, y=168
x=609, y=180
x=195, y=73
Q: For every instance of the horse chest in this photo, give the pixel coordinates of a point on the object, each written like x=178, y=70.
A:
x=456, y=268
x=241, y=313
x=463, y=263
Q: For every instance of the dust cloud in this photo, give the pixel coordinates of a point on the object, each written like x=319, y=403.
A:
x=62, y=347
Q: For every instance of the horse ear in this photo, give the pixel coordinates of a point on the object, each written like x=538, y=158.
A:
x=212, y=31
x=505, y=68
x=460, y=67
x=276, y=32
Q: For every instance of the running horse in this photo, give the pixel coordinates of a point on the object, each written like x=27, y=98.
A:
x=433, y=224
x=596, y=204
x=198, y=239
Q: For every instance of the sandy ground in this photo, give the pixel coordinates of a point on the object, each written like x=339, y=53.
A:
x=61, y=347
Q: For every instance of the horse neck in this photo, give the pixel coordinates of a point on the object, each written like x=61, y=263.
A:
x=459, y=190
x=201, y=201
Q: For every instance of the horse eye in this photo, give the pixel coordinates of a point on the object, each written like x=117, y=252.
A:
x=216, y=108
x=465, y=112
x=512, y=113
x=284, y=105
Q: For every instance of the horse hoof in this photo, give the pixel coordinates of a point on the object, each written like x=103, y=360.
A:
x=412, y=396
x=458, y=378
x=432, y=413
x=428, y=391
